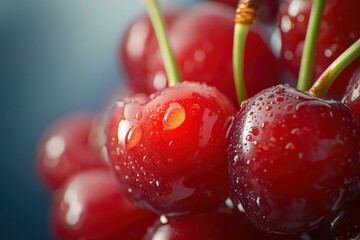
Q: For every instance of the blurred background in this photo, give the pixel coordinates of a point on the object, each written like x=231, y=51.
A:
x=56, y=57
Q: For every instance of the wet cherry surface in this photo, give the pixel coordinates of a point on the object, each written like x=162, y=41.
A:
x=212, y=225
x=346, y=225
x=66, y=148
x=203, y=54
x=169, y=150
x=91, y=206
x=352, y=94
x=289, y=150
x=339, y=29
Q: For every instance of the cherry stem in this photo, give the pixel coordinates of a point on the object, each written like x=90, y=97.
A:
x=308, y=54
x=157, y=20
x=245, y=15
x=324, y=82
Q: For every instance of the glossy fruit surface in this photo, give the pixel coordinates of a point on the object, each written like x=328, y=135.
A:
x=138, y=47
x=293, y=159
x=214, y=226
x=205, y=55
x=346, y=225
x=339, y=29
x=352, y=94
x=169, y=150
x=91, y=206
x=67, y=148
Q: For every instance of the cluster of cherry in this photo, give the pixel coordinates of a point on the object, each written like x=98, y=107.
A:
x=188, y=161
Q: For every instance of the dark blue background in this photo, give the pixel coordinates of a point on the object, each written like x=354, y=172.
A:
x=56, y=57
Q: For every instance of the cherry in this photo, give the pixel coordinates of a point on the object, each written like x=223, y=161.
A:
x=91, y=206
x=205, y=55
x=339, y=29
x=67, y=148
x=138, y=47
x=346, y=225
x=212, y=225
x=352, y=94
x=293, y=159
x=267, y=11
x=169, y=150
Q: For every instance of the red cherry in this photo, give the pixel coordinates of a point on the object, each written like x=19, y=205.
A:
x=214, y=226
x=205, y=55
x=138, y=47
x=339, y=29
x=346, y=225
x=294, y=160
x=169, y=151
x=91, y=206
x=352, y=94
x=267, y=11
x=67, y=148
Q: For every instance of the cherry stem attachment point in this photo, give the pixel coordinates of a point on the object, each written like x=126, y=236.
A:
x=308, y=55
x=245, y=15
x=324, y=82
x=157, y=20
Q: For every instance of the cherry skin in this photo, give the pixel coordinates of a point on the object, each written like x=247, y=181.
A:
x=339, y=29
x=138, y=46
x=212, y=225
x=66, y=148
x=346, y=225
x=91, y=206
x=205, y=55
x=169, y=150
x=293, y=159
x=352, y=94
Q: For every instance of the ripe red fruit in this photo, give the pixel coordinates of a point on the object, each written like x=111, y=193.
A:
x=138, y=47
x=67, y=148
x=91, y=206
x=205, y=55
x=346, y=225
x=338, y=30
x=352, y=94
x=169, y=150
x=294, y=160
x=213, y=225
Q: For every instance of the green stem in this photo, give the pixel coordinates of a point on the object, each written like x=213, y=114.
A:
x=324, y=82
x=245, y=15
x=171, y=67
x=307, y=60
x=240, y=35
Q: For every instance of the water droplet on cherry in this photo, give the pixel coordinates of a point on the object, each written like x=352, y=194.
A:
x=174, y=116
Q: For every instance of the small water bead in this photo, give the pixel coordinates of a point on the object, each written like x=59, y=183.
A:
x=268, y=108
x=133, y=137
x=174, y=116
x=290, y=146
x=161, y=189
x=138, y=115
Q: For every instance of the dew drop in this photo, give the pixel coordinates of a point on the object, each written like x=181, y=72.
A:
x=138, y=116
x=265, y=125
x=249, y=137
x=268, y=108
x=254, y=131
x=162, y=189
x=163, y=219
x=290, y=146
x=133, y=137
x=130, y=190
x=289, y=107
x=174, y=116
